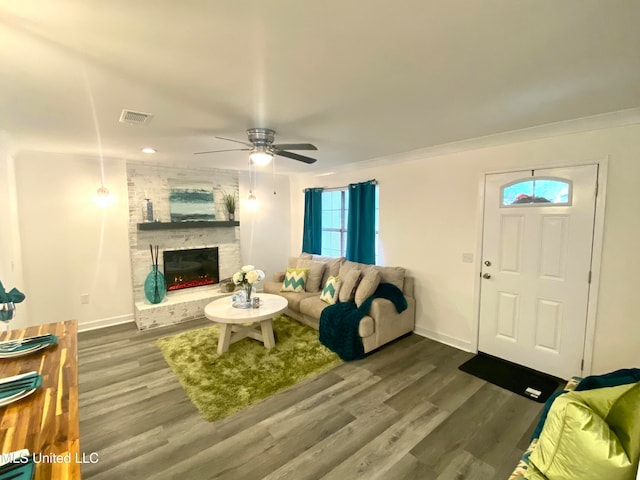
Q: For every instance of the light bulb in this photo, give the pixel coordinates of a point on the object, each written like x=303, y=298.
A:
x=252, y=201
x=103, y=196
x=260, y=157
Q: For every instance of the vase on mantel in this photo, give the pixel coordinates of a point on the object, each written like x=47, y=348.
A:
x=155, y=286
x=232, y=216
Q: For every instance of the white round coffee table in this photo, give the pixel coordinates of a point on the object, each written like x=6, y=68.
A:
x=234, y=321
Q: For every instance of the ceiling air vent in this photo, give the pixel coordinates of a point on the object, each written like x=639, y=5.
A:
x=135, y=118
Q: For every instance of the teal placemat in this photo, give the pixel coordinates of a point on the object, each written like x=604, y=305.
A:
x=18, y=470
x=20, y=385
x=10, y=350
x=49, y=340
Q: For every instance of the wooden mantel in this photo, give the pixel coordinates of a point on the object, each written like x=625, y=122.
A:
x=46, y=422
x=191, y=224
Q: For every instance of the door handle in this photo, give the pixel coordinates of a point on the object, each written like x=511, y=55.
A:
x=486, y=275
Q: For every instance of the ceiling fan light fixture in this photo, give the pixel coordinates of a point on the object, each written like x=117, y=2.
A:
x=260, y=156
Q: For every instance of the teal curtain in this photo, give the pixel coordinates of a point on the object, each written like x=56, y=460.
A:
x=361, y=227
x=312, y=232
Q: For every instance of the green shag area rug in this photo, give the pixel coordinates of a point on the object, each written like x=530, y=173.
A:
x=219, y=385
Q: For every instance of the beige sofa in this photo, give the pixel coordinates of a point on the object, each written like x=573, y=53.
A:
x=382, y=324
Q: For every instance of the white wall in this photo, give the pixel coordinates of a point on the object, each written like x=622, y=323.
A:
x=10, y=252
x=264, y=232
x=70, y=245
x=429, y=211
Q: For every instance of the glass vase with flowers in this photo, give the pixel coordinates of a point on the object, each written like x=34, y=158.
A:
x=245, y=278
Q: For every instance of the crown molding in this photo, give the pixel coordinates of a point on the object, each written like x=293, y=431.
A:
x=595, y=122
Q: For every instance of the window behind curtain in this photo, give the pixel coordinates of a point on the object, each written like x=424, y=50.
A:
x=335, y=211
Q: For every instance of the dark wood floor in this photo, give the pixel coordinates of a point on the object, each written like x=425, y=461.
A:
x=405, y=412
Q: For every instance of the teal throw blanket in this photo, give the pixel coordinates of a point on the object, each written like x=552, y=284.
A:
x=339, y=323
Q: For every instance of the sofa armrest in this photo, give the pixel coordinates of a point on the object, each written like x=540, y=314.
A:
x=388, y=323
x=278, y=277
x=381, y=307
x=408, y=286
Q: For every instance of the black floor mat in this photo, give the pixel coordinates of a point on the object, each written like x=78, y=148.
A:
x=529, y=383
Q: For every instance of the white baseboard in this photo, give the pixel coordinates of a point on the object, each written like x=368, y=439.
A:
x=444, y=338
x=105, y=322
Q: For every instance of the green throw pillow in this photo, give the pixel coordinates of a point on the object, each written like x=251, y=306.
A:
x=624, y=420
x=294, y=280
x=577, y=442
x=330, y=291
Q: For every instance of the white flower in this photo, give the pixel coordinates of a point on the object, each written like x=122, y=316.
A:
x=247, y=268
x=261, y=275
x=237, y=277
x=252, y=276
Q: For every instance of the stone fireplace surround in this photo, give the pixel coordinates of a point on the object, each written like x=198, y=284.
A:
x=152, y=181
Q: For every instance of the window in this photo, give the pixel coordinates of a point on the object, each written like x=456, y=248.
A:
x=537, y=191
x=335, y=213
x=335, y=218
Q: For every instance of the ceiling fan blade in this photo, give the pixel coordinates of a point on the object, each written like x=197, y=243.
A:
x=294, y=156
x=217, y=151
x=295, y=146
x=237, y=141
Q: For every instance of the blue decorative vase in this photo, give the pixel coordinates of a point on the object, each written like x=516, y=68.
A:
x=6, y=311
x=155, y=286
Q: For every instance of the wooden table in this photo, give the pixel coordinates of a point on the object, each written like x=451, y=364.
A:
x=46, y=422
x=239, y=323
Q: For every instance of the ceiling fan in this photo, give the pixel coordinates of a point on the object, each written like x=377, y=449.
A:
x=263, y=149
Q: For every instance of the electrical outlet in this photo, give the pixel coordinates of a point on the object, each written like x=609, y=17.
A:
x=84, y=298
x=467, y=258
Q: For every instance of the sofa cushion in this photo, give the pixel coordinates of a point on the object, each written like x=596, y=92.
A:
x=295, y=299
x=314, y=276
x=312, y=306
x=347, y=266
x=349, y=285
x=333, y=266
x=394, y=275
x=293, y=261
x=273, y=286
x=367, y=286
x=331, y=290
x=576, y=440
x=294, y=280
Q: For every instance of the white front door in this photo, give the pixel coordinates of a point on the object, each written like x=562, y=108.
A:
x=536, y=254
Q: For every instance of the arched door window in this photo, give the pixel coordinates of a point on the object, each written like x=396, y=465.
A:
x=537, y=191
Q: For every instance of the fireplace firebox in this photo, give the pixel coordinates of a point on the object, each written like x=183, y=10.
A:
x=190, y=268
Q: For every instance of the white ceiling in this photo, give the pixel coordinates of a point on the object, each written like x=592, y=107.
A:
x=359, y=79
